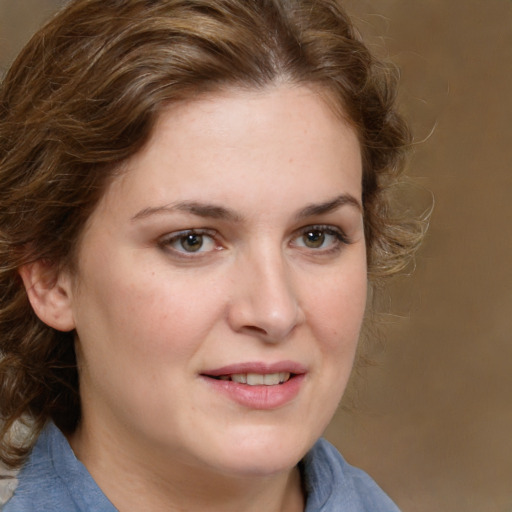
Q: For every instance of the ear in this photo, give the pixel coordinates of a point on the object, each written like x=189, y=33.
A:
x=49, y=292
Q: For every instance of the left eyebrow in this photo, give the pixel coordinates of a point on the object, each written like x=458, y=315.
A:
x=329, y=206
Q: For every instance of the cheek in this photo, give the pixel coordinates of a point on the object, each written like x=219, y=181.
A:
x=143, y=316
x=336, y=309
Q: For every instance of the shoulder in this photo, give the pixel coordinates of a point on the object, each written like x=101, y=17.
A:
x=38, y=484
x=53, y=479
x=333, y=485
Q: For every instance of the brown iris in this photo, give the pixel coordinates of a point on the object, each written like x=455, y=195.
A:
x=191, y=242
x=314, y=239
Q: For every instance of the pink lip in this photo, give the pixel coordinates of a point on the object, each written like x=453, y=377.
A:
x=257, y=367
x=258, y=397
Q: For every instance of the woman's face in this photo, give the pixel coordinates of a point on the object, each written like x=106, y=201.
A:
x=221, y=285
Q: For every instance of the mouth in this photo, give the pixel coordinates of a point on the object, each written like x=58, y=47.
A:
x=257, y=373
x=256, y=379
x=258, y=385
x=257, y=391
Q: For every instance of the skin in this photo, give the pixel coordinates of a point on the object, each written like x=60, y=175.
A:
x=152, y=316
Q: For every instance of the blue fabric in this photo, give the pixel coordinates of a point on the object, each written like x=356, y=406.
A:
x=53, y=480
x=333, y=485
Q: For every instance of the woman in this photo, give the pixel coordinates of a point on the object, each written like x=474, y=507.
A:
x=193, y=196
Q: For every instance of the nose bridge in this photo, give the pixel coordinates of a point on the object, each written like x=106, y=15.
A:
x=266, y=301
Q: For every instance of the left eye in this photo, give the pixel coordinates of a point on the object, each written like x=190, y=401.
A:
x=319, y=238
x=314, y=239
x=190, y=242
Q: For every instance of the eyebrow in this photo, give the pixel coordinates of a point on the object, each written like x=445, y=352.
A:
x=329, y=206
x=212, y=211
x=205, y=210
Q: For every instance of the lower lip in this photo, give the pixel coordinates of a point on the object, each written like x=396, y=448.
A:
x=258, y=397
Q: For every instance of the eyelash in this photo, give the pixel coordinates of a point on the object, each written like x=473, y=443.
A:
x=339, y=240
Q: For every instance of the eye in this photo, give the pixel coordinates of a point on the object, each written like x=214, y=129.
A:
x=323, y=238
x=190, y=242
x=314, y=239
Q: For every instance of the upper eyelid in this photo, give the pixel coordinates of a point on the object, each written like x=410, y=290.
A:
x=322, y=227
x=190, y=231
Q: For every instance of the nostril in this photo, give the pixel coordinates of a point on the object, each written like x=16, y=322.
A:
x=254, y=329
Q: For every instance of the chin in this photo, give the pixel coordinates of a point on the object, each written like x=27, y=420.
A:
x=263, y=453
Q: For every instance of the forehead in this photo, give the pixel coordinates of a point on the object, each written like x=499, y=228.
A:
x=238, y=145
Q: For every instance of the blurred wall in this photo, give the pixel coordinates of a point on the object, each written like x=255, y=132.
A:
x=433, y=421
x=433, y=417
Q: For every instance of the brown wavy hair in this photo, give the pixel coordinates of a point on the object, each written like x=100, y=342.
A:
x=84, y=95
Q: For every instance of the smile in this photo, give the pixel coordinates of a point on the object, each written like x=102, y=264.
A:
x=257, y=379
x=257, y=385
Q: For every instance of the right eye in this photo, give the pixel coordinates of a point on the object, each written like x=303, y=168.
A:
x=190, y=241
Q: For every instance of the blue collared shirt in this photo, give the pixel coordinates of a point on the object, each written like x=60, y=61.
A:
x=53, y=479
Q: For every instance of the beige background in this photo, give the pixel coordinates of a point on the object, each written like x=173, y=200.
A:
x=433, y=416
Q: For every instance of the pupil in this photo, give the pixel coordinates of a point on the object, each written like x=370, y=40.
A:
x=192, y=243
x=315, y=239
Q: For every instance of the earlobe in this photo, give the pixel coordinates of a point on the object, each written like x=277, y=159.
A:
x=49, y=292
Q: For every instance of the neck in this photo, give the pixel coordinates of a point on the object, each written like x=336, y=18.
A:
x=149, y=483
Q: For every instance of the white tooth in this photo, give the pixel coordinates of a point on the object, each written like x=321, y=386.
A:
x=257, y=379
x=239, y=377
x=254, y=379
x=284, y=377
x=271, y=379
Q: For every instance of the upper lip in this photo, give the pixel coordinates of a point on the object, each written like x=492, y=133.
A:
x=257, y=367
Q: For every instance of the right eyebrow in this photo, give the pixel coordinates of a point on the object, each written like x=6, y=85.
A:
x=205, y=210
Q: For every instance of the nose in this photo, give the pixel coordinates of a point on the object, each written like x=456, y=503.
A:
x=264, y=302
